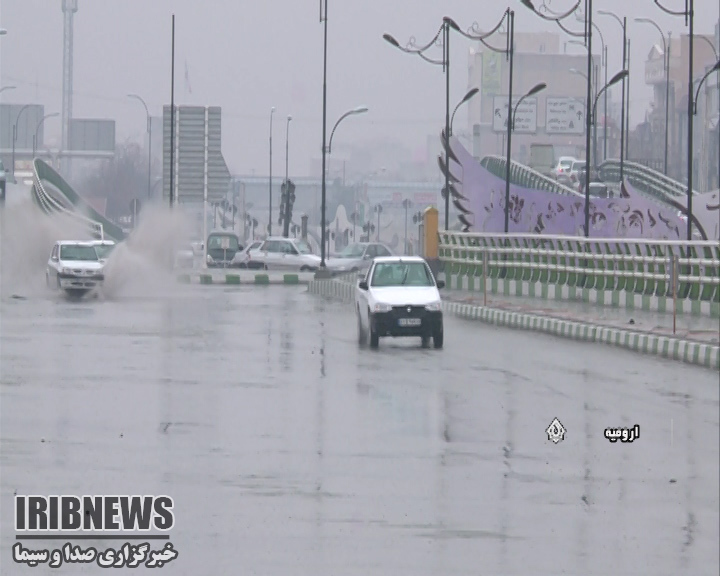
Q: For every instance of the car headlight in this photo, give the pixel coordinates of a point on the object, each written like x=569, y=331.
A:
x=382, y=308
x=434, y=307
x=66, y=271
x=209, y=258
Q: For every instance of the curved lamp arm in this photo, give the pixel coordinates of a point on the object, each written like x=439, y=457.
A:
x=467, y=97
x=614, y=80
x=534, y=90
x=358, y=110
x=608, y=13
x=411, y=47
x=671, y=12
x=555, y=17
x=474, y=32
x=715, y=68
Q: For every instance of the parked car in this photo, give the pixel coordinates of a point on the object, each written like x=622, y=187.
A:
x=562, y=170
x=278, y=253
x=399, y=297
x=575, y=169
x=222, y=247
x=75, y=268
x=356, y=257
x=242, y=258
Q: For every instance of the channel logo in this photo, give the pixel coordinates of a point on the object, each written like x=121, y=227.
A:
x=124, y=518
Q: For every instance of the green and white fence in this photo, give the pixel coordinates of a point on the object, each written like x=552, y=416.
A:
x=647, y=274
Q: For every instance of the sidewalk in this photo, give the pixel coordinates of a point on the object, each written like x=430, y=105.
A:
x=690, y=328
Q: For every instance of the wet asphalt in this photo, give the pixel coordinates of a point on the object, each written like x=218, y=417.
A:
x=288, y=449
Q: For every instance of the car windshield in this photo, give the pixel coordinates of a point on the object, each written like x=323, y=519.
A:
x=103, y=250
x=78, y=252
x=352, y=251
x=578, y=165
x=565, y=163
x=223, y=242
x=302, y=247
x=401, y=274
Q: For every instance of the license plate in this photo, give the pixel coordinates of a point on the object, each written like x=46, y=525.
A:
x=409, y=321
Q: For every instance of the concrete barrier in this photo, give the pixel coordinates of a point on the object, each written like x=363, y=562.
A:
x=244, y=278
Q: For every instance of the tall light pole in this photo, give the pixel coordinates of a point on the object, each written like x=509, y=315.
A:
x=614, y=80
x=149, y=133
x=712, y=70
x=37, y=129
x=689, y=15
x=354, y=111
x=270, y=216
x=14, y=139
x=474, y=33
x=625, y=66
x=717, y=88
x=412, y=48
x=172, y=133
x=666, y=54
x=323, y=192
x=407, y=203
x=587, y=35
x=287, y=155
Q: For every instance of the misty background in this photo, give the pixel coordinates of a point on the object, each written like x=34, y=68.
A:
x=247, y=57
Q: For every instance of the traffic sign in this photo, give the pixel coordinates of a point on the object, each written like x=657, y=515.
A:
x=564, y=116
x=525, y=117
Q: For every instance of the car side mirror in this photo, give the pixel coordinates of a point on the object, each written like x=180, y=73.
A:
x=363, y=285
x=54, y=258
x=366, y=256
x=440, y=284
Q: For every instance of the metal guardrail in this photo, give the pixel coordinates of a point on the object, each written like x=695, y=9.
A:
x=524, y=176
x=647, y=267
x=645, y=180
x=50, y=206
x=80, y=211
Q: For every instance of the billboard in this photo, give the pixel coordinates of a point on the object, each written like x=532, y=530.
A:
x=525, y=117
x=564, y=116
x=91, y=135
x=28, y=118
x=491, y=72
x=197, y=145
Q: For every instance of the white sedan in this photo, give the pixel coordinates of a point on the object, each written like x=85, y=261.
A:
x=278, y=253
x=399, y=297
x=75, y=268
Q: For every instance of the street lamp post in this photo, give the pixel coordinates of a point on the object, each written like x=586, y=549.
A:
x=467, y=97
x=587, y=35
x=37, y=129
x=614, y=80
x=272, y=111
x=689, y=15
x=357, y=110
x=625, y=66
x=666, y=54
x=717, y=88
x=378, y=210
x=287, y=154
x=323, y=20
x=7, y=88
x=14, y=139
x=149, y=132
x=411, y=48
x=407, y=203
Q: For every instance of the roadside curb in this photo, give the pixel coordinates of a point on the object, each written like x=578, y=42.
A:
x=261, y=279
x=696, y=353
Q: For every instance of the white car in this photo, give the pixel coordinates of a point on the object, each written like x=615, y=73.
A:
x=399, y=297
x=562, y=170
x=278, y=253
x=242, y=258
x=103, y=249
x=75, y=268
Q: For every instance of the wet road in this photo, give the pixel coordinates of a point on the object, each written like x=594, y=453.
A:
x=290, y=450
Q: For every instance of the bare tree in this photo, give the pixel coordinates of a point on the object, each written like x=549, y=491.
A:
x=119, y=180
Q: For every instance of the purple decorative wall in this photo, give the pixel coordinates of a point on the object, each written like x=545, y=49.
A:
x=541, y=212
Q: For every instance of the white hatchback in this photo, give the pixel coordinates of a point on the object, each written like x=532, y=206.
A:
x=399, y=296
x=278, y=253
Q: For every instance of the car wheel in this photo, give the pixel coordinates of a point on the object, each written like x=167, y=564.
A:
x=438, y=338
x=242, y=266
x=47, y=279
x=57, y=283
x=374, y=337
x=265, y=267
x=425, y=341
x=305, y=269
x=362, y=336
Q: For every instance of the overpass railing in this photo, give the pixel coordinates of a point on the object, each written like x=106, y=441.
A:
x=50, y=206
x=524, y=176
x=648, y=267
x=645, y=180
x=79, y=209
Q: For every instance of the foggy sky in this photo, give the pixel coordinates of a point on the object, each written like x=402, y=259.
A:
x=249, y=56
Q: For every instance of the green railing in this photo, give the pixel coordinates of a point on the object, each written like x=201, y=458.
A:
x=78, y=208
x=645, y=180
x=521, y=175
x=648, y=267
